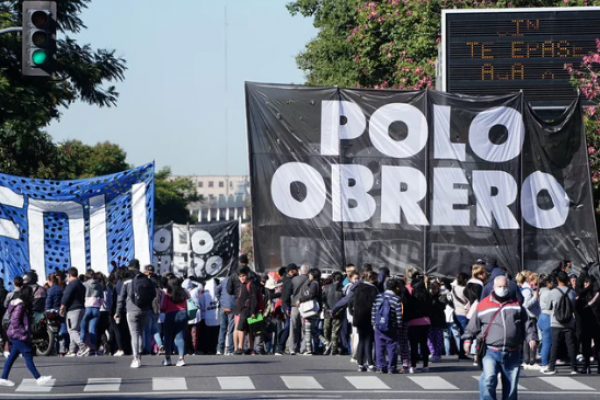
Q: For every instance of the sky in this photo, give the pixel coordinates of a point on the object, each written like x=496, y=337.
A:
x=173, y=101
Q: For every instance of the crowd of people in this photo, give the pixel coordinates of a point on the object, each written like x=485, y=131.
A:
x=387, y=324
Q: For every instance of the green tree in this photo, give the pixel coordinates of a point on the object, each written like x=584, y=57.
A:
x=172, y=196
x=78, y=160
x=81, y=74
x=26, y=152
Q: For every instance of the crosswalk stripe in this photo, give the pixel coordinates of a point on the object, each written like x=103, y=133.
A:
x=29, y=385
x=565, y=383
x=236, y=383
x=164, y=384
x=366, y=382
x=499, y=387
x=301, y=382
x=432, y=382
x=103, y=385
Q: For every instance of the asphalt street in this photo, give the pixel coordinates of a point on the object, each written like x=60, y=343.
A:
x=270, y=377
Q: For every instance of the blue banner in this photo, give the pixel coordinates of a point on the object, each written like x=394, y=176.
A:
x=92, y=223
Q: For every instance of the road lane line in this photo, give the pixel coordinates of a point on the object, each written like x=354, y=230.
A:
x=366, y=382
x=432, y=383
x=169, y=384
x=301, y=382
x=29, y=385
x=565, y=383
x=236, y=383
x=103, y=385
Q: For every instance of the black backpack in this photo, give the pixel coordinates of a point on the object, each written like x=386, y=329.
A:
x=564, y=308
x=143, y=292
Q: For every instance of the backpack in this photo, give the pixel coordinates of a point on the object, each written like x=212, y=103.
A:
x=382, y=319
x=143, y=292
x=564, y=308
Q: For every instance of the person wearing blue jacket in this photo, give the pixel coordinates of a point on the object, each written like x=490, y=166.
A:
x=53, y=298
x=226, y=322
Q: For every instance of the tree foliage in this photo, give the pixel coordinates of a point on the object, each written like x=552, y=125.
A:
x=81, y=72
x=173, y=194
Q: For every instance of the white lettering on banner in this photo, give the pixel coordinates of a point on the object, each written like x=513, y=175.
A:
x=417, y=132
x=446, y=195
x=352, y=182
x=402, y=188
x=332, y=129
x=35, y=218
x=9, y=198
x=532, y=213
x=489, y=204
x=316, y=193
x=479, y=134
x=76, y=220
x=443, y=148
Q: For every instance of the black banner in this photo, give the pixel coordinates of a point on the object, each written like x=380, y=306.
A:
x=204, y=250
x=415, y=178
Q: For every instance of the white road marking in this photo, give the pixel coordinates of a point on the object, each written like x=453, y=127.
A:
x=565, y=383
x=432, y=382
x=236, y=383
x=301, y=382
x=103, y=385
x=167, y=384
x=29, y=385
x=366, y=382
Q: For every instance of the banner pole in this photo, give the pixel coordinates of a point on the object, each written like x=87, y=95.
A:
x=521, y=233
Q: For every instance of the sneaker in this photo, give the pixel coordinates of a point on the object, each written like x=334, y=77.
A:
x=6, y=382
x=435, y=359
x=119, y=353
x=412, y=370
x=83, y=351
x=534, y=367
x=371, y=368
x=229, y=353
x=560, y=362
x=580, y=358
x=307, y=353
x=549, y=372
x=292, y=353
x=71, y=354
x=475, y=364
x=219, y=353
x=542, y=369
x=6, y=354
x=42, y=380
x=180, y=363
x=353, y=360
x=136, y=363
x=161, y=350
x=574, y=372
x=238, y=353
x=362, y=368
x=383, y=370
x=278, y=353
x=167, y=362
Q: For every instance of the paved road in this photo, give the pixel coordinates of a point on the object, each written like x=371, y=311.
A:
x=269, y=377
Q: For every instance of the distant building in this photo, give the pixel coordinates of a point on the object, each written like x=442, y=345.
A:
x=224, y=197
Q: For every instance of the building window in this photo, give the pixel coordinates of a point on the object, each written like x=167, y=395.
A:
x=221, y=184
x=200, y=184
x=211, y=196
x=211, y=184
x=230, y=184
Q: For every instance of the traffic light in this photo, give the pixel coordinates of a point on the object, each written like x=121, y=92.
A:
x=39, y=38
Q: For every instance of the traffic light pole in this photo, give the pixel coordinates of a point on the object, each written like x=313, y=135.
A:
x=10, y=30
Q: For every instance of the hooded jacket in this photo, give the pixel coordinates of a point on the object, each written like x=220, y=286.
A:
x=513, y=288
x=332, y=293
x=20, y=324
x=508, y=330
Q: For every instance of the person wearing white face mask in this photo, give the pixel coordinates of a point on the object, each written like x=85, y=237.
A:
x=501, y=325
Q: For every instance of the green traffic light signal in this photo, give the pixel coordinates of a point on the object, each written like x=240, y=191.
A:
x=39, y=57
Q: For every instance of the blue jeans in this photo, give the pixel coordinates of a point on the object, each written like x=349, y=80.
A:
x=151, y=332
x=91, y=317
x=544, y=325
x=63, y=337
x=283, y=335
x=174, y=327
x=227, y=324
x=508, y=365
x=19, y=347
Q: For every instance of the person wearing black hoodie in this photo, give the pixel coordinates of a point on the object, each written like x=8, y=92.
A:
x=588, y=307
x=332, y=325
x=286, y=306
x=417, y=312
x=360, y=308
